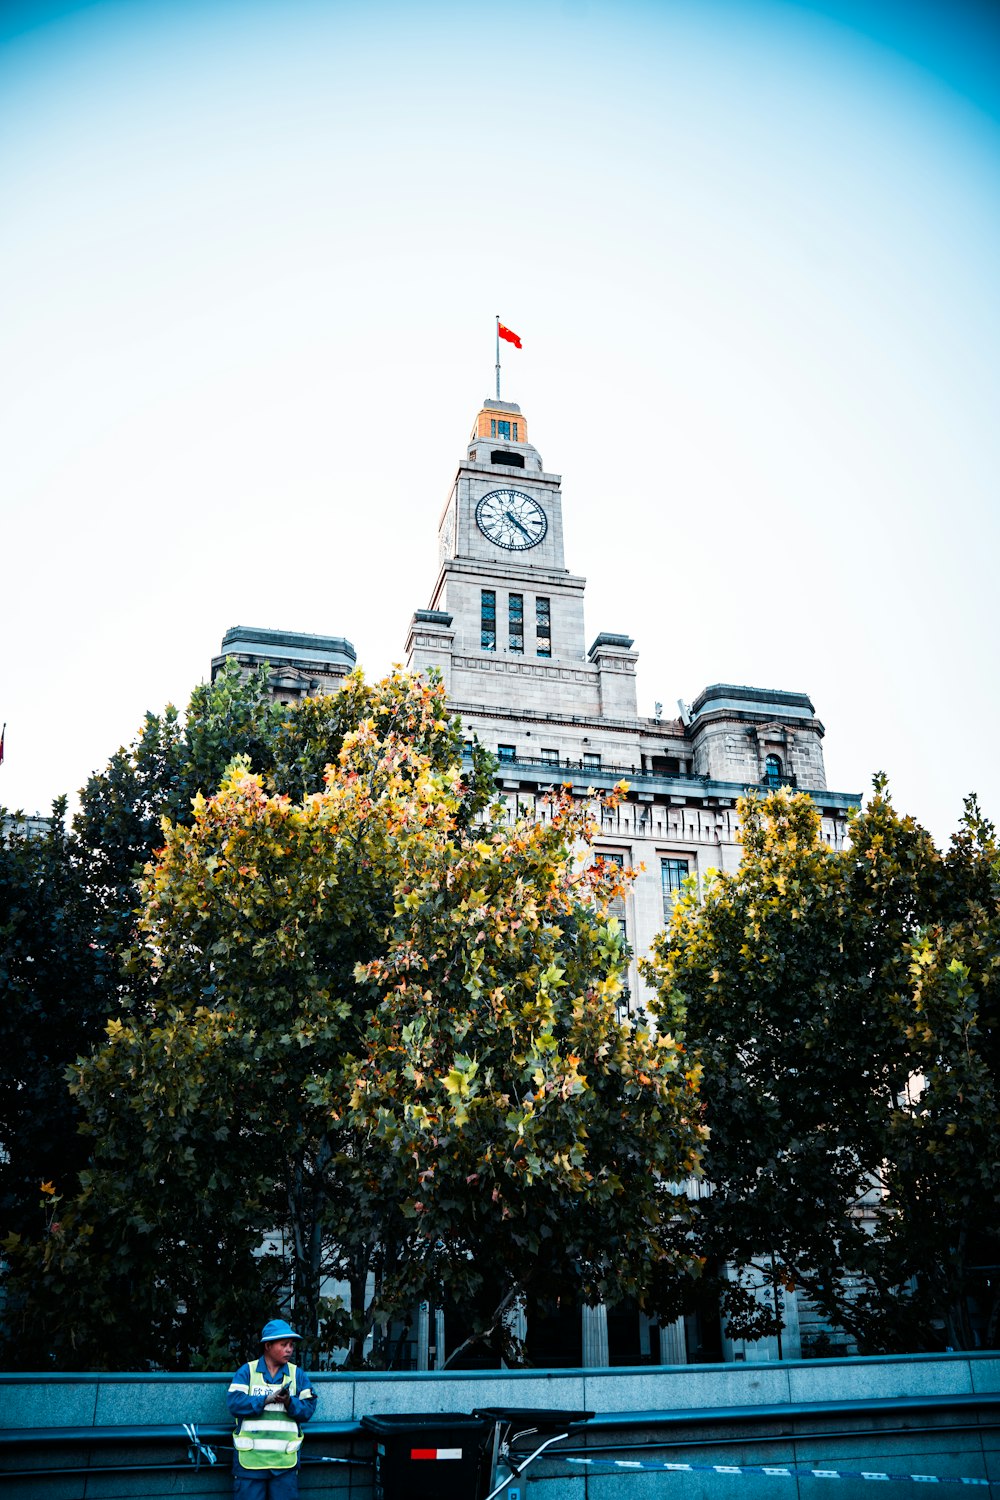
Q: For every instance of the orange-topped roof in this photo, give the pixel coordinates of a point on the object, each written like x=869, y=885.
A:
x=493, y=412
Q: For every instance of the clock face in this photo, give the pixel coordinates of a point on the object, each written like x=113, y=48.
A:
x=511, y=519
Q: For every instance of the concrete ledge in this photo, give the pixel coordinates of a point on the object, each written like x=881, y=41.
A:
x=933, y=1414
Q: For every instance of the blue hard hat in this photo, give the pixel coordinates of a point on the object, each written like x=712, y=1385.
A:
x=277, y=1329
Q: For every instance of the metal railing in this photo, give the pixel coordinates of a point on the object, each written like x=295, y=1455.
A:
x=568, y=763
x=695, y=782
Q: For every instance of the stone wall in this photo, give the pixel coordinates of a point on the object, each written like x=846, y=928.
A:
x=699, y=1411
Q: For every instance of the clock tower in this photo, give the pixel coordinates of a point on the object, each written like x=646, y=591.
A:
x=505, y=619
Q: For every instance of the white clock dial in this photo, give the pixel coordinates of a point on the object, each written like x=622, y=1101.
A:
x=511, y=519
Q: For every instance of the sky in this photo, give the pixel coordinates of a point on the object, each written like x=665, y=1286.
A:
x=250, y=258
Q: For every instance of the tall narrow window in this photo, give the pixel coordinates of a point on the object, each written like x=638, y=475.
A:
x=493, y=427
x=616, y=908
x=773, y=771
x=515, y=618
x=673, y=873
x=488, y=636
x=543, y=627
x=514, y=426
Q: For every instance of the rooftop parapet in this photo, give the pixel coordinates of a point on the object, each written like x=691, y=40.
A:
x=279, y=645
x=773, y=702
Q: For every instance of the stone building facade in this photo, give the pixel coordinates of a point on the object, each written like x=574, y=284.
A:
x=504, y=625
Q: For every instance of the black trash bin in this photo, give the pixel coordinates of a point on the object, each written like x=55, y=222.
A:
x=431, y=1455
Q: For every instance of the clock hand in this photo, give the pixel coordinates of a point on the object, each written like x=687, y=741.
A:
x=522, y=529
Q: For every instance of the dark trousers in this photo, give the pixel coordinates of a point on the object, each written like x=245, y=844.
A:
x=266, y=1484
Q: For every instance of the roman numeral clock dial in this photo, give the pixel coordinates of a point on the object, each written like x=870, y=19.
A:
x=511, y=519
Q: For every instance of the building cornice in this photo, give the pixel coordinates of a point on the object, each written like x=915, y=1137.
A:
x=755, y=720
x=510, y=475
x=285, y=645
x=524, y=572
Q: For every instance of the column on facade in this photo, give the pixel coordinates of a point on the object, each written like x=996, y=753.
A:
x=439, y=1351
x=430, y=643
x=673, y=1345
x=791, y=1338
x=595, y=1337
x=423, y=1336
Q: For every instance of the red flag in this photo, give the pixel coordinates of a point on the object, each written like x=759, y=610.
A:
x=511, y=338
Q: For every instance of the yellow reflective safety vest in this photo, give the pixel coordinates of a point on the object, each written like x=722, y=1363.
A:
x=272, y=1440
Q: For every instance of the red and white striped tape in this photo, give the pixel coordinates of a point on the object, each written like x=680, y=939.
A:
x=774, y=1471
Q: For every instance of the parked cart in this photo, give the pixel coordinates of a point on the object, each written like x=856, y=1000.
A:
x=520, y=1436
x=458, y=1456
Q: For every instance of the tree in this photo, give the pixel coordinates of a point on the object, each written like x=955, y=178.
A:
x=838, y=1044
x=286, y=1079
x=68, y=904
x=69, y=901
x=526, y=1137
x=943, y=1172
x=54, y=996
x=170, y=761
x=173, y=759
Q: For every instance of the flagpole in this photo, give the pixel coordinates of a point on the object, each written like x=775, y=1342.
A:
x=498, y=356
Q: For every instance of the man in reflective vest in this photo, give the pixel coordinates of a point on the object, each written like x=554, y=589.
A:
x=270, y=1398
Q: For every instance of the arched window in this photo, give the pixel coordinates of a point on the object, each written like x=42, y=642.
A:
x=773, y=773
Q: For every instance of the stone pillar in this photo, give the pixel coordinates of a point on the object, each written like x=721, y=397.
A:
x=430, y=642
x=673, y=1345
x=615, y=661
x=423, y=1336
x=791, y=1338
x=595, y=1337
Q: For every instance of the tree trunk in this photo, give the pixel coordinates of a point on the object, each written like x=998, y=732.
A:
x=361, y=1324
x=506, y=1302
x=957, y=1321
